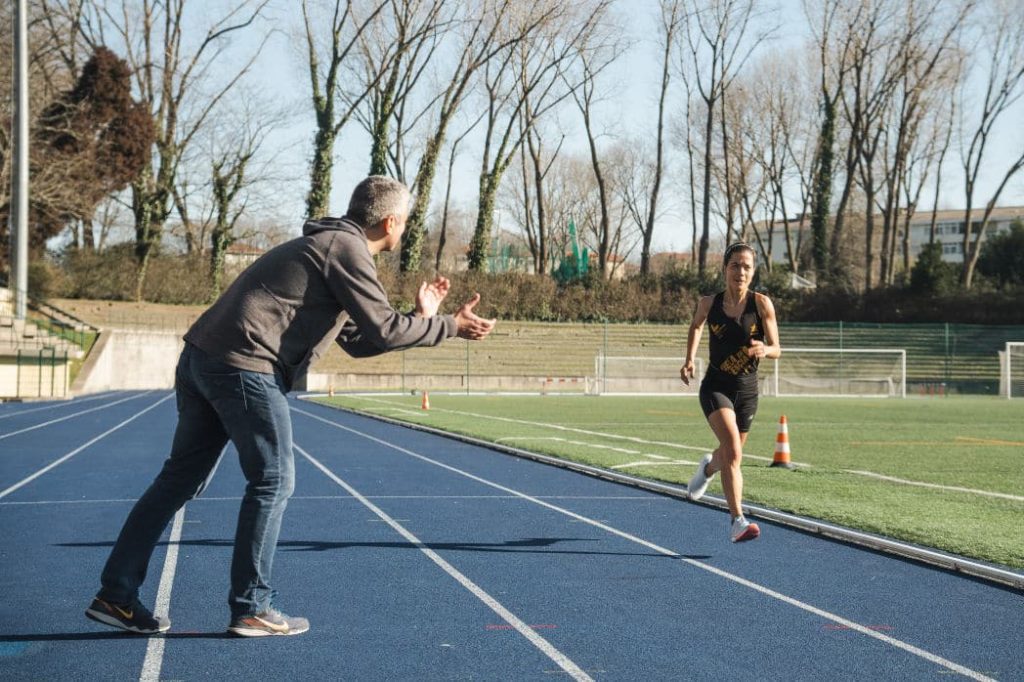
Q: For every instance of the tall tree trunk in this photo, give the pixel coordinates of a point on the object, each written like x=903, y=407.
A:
x=705, y=234
x=319, y=196
x=821, y=200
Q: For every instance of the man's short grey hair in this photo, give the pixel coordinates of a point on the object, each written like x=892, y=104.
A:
x=376, y=198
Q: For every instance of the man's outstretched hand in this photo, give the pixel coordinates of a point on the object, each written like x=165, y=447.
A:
x=429, y=296
x=472, y=326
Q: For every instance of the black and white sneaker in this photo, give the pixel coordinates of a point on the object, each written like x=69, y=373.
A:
x=133, y=617
x=267, y=623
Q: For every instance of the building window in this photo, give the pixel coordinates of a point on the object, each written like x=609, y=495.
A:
x=953, y=248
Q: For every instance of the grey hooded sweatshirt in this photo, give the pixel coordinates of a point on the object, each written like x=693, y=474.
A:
x=284, y=310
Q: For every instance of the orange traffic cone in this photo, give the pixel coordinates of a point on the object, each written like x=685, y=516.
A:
x=425, y=405
x=781, y=458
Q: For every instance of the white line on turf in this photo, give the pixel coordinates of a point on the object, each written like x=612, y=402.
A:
x=600, y=434
x=645, y=463
x=155, y=648
x=74, y=452
x=525, y=630
x=52, y=406
x=937, y=486
x=863, y=629
x=580, y=442
x=60, y=419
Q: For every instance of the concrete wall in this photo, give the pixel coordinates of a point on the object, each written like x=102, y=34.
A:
x=128, y=360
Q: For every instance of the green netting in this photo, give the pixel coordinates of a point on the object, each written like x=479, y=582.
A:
x=940, y=357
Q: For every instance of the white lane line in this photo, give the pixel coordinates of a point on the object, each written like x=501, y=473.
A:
x=155, y=648
x=525, y=630
x=74, y=452
x=937, y=486
x=51, y=406
x=76, y=414
x=600, y=434
x=863, y=629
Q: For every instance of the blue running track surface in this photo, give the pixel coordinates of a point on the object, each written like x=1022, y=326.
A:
x=417, y=557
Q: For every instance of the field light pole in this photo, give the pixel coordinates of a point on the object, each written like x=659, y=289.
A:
x=19, y=176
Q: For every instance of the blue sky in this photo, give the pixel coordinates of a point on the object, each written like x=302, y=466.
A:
x=282, y=78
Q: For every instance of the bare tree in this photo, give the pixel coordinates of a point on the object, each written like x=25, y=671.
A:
x=835, y=33
x=535, y=216
x=334, y=106
x=395, y=52
x=717, y=44
x=50, y=75
x=945, y=125
x=479, y=36
x=672, y=18
x=927, y=51
x=521, y=89
x=182, y=86
x=779, y=140
x=999, y=56
x=442, y=238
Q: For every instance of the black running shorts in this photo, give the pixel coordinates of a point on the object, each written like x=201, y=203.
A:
x=719, y=390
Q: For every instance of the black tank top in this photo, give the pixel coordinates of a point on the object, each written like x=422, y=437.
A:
x=730, y=339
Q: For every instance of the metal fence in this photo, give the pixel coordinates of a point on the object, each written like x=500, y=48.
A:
x=37, y=373
x=941, y=358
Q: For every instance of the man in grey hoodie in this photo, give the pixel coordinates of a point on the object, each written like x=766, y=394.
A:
x=241, y=358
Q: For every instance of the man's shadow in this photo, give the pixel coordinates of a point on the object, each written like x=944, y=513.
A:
x=525, y=545
x=112, y=634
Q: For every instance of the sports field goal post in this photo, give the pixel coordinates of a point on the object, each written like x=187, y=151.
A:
x=1011, y=367
x=641, y=375
x=838, y=372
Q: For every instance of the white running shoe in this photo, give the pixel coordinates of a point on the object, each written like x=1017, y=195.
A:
x=699, y=483
x=743, y=530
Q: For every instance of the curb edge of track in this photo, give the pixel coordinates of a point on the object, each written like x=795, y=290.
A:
x=932, y=557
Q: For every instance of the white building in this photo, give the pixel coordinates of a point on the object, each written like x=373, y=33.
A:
x=949, y=231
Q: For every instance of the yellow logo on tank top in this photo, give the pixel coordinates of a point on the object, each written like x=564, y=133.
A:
x=736, y=363
x=753, y=329
x=717, y=329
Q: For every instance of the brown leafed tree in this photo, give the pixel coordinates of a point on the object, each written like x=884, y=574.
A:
x=100, y=135
x=176, y=50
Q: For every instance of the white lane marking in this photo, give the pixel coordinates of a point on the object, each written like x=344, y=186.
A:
x=74, y=452
x=51, y=406
x=525, y=630
x=76, y=414
x=937, y=486
x=644, y=463
x=155, y=648
x=863, y=629
x=600, y=434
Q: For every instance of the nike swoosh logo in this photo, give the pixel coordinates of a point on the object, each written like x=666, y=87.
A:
x=272, y=626
x=125, y=614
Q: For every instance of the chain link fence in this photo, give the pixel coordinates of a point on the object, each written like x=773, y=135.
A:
x=537, y=356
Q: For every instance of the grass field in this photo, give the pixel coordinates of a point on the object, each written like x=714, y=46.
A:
x=959, y=461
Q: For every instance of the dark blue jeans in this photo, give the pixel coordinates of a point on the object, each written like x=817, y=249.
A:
x=216, y=402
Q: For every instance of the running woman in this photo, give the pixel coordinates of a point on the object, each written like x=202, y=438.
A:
x=743, y=330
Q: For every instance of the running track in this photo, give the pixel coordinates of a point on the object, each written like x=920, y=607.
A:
x=417, y=557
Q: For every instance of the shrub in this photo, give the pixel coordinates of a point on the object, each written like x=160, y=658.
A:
x=932, y=275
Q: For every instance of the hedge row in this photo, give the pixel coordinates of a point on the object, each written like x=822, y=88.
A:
x=669, y=298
